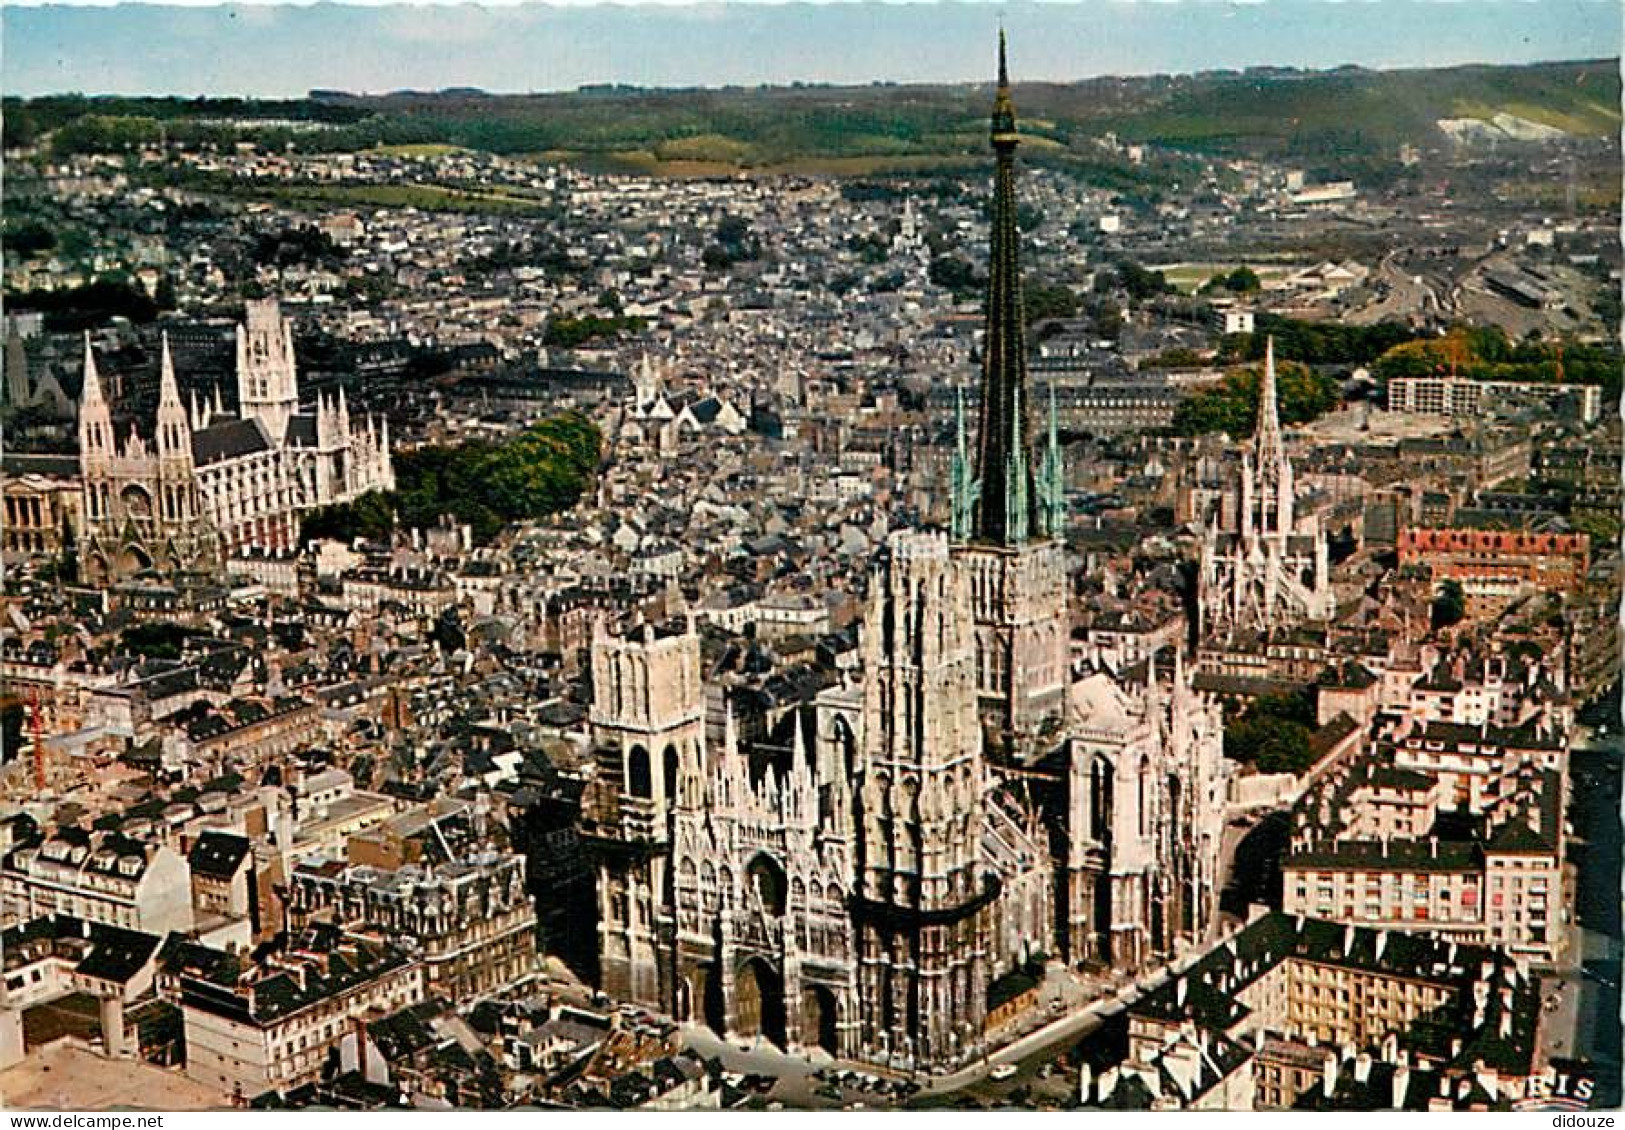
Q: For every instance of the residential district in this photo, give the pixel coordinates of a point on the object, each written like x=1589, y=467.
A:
x=909, y=701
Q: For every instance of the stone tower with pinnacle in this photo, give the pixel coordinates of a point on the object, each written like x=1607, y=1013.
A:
x=1009, y=510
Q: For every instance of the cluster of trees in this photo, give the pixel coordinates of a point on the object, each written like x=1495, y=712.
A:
x=1486, y=353
x=953, y=273
x=1141, y=283
x=568, y=333
x=546, y=253
x=872, y=248
x=1242, y=280
x=26, y=239
x=734, y=242
x=1315, y=343
x=1049, y=300
x=305, y=244
x=82, y=307
x=539, y=472
x=1449, y=605
x=1273, y=735
x=1231, y=406
x=160, y=639
x=484, y=484
x=371, y=516
x=1177, y=357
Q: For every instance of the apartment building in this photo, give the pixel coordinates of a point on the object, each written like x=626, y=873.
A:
x=99, y=877
x=278, y=1030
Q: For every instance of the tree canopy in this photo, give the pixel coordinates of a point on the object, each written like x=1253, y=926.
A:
x=1449, y=605
x=1231, y=406
x=1485, y=353
x=539, y=472
x=1273, y=735
x=484, y=484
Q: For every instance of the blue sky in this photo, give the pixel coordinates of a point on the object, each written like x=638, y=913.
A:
x=286, y=50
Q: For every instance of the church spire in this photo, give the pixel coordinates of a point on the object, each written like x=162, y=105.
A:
x=1272, y=490
x=96, y=437
x=174, y=433
x=1267, y=435
x=169, y=393
x=1008, y=509
x=91, y=394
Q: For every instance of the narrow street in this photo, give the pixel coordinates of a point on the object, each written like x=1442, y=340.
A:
x=1585, y=1023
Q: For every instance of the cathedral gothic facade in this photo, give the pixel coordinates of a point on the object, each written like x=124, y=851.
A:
x=962, y=804
x=859, y=895
x=208, y=484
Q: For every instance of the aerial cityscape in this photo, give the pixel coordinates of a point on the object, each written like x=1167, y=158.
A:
x=1049, y=595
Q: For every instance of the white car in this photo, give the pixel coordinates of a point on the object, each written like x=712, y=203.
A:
x=1002, y=1072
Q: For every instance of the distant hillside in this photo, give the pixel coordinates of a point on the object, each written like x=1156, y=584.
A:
x=1349, y=113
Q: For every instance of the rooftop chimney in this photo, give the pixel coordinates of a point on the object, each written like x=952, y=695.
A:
x=1402, y=1084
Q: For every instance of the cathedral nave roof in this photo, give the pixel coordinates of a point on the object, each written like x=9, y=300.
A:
x=228, y=439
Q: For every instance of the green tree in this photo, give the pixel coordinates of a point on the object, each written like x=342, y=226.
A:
x=371, y=516
x=28, y=238
x=1044, y=300
x=163, y=295
x=1449, y=605
x=569, y=333
x=539, y=472
x=1231, y=406
x=1269, y=744
x=953, y=273
x=1242, y=280
x=157, y=640
x=1141, y=283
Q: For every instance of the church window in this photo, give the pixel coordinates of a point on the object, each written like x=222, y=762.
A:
x=638, y=776
x=1145, y=796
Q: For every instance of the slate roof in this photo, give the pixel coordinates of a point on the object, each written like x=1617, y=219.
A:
x=113, y=954
x=229, y=439
x=218, y=854
x=301, y=431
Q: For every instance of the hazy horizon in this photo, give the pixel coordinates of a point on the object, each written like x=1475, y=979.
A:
x=280, y=51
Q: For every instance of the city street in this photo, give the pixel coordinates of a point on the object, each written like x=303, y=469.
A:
x=1585, y=1023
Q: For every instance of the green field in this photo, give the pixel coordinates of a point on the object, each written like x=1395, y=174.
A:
x=424, y=149
x=1189, y=277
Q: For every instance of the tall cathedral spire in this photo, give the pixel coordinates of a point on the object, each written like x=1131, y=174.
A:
x=1272, y=490
x=1008, y=508
x=1267, y=436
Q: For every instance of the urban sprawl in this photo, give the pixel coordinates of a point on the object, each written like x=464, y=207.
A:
x=805, y=642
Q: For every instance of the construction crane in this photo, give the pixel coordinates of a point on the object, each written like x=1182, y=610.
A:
x=37, y=731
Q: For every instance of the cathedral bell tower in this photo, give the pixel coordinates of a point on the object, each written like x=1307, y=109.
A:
x=1009, y=514
x=648, y=730
x=922, y=891
x=267, y=384
x=177, y=478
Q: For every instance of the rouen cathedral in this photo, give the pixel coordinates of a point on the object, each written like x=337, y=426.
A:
x=967, y=801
